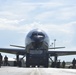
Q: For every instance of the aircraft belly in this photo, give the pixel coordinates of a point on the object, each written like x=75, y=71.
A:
x=37, y=59
x=36, y=52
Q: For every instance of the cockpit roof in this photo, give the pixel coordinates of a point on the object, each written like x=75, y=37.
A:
x=37, y=31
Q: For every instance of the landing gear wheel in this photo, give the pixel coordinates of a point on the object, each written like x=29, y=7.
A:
x=27, y=65
x=38, y=65
x=33, y=65
x=46, y=66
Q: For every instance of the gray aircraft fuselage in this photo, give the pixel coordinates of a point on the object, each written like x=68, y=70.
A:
x=37, y=43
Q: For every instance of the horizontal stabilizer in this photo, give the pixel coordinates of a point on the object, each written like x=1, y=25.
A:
x=17, y=46
x=56, y=47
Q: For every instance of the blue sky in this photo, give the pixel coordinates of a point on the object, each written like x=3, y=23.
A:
x=56, y=17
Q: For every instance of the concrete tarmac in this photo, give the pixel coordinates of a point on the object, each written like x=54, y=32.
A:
x=36, y=71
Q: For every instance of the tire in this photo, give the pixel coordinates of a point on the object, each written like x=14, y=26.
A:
x=33, y=65
x=27, y=65
x=38, y=65
x=46, y=65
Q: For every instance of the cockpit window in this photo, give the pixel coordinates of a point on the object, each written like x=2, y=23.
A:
x=41, y=34
x=34, y=34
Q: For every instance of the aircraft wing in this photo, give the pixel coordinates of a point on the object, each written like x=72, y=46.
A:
x=61, y=53
x=13, y=51
x=56, y=47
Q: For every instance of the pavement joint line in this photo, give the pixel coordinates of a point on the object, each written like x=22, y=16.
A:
x=35, y=72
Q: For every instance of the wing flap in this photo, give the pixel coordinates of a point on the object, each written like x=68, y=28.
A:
x=61, y=53
x=13, y=51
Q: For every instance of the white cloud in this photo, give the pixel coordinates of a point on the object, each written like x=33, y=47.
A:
x=8, y=21
x=6, y=13
x=16, y=10
x=44, y=15
x=52, y=4
x=13, y=14
x=26, y=10
x=65, y=13
x=66, y=28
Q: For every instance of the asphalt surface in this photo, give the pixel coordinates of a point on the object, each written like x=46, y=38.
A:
x=36, y=71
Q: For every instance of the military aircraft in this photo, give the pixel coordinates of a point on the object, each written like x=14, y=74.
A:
x=36, y=49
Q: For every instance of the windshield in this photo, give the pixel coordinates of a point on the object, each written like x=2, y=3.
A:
x=39, y=34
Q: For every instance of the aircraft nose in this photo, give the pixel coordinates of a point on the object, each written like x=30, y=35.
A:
x=37, y=42
x=37, y=39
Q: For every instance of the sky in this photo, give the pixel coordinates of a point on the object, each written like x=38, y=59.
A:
x=56, y=17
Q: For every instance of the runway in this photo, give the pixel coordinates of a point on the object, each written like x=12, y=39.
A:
x=36, y=71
